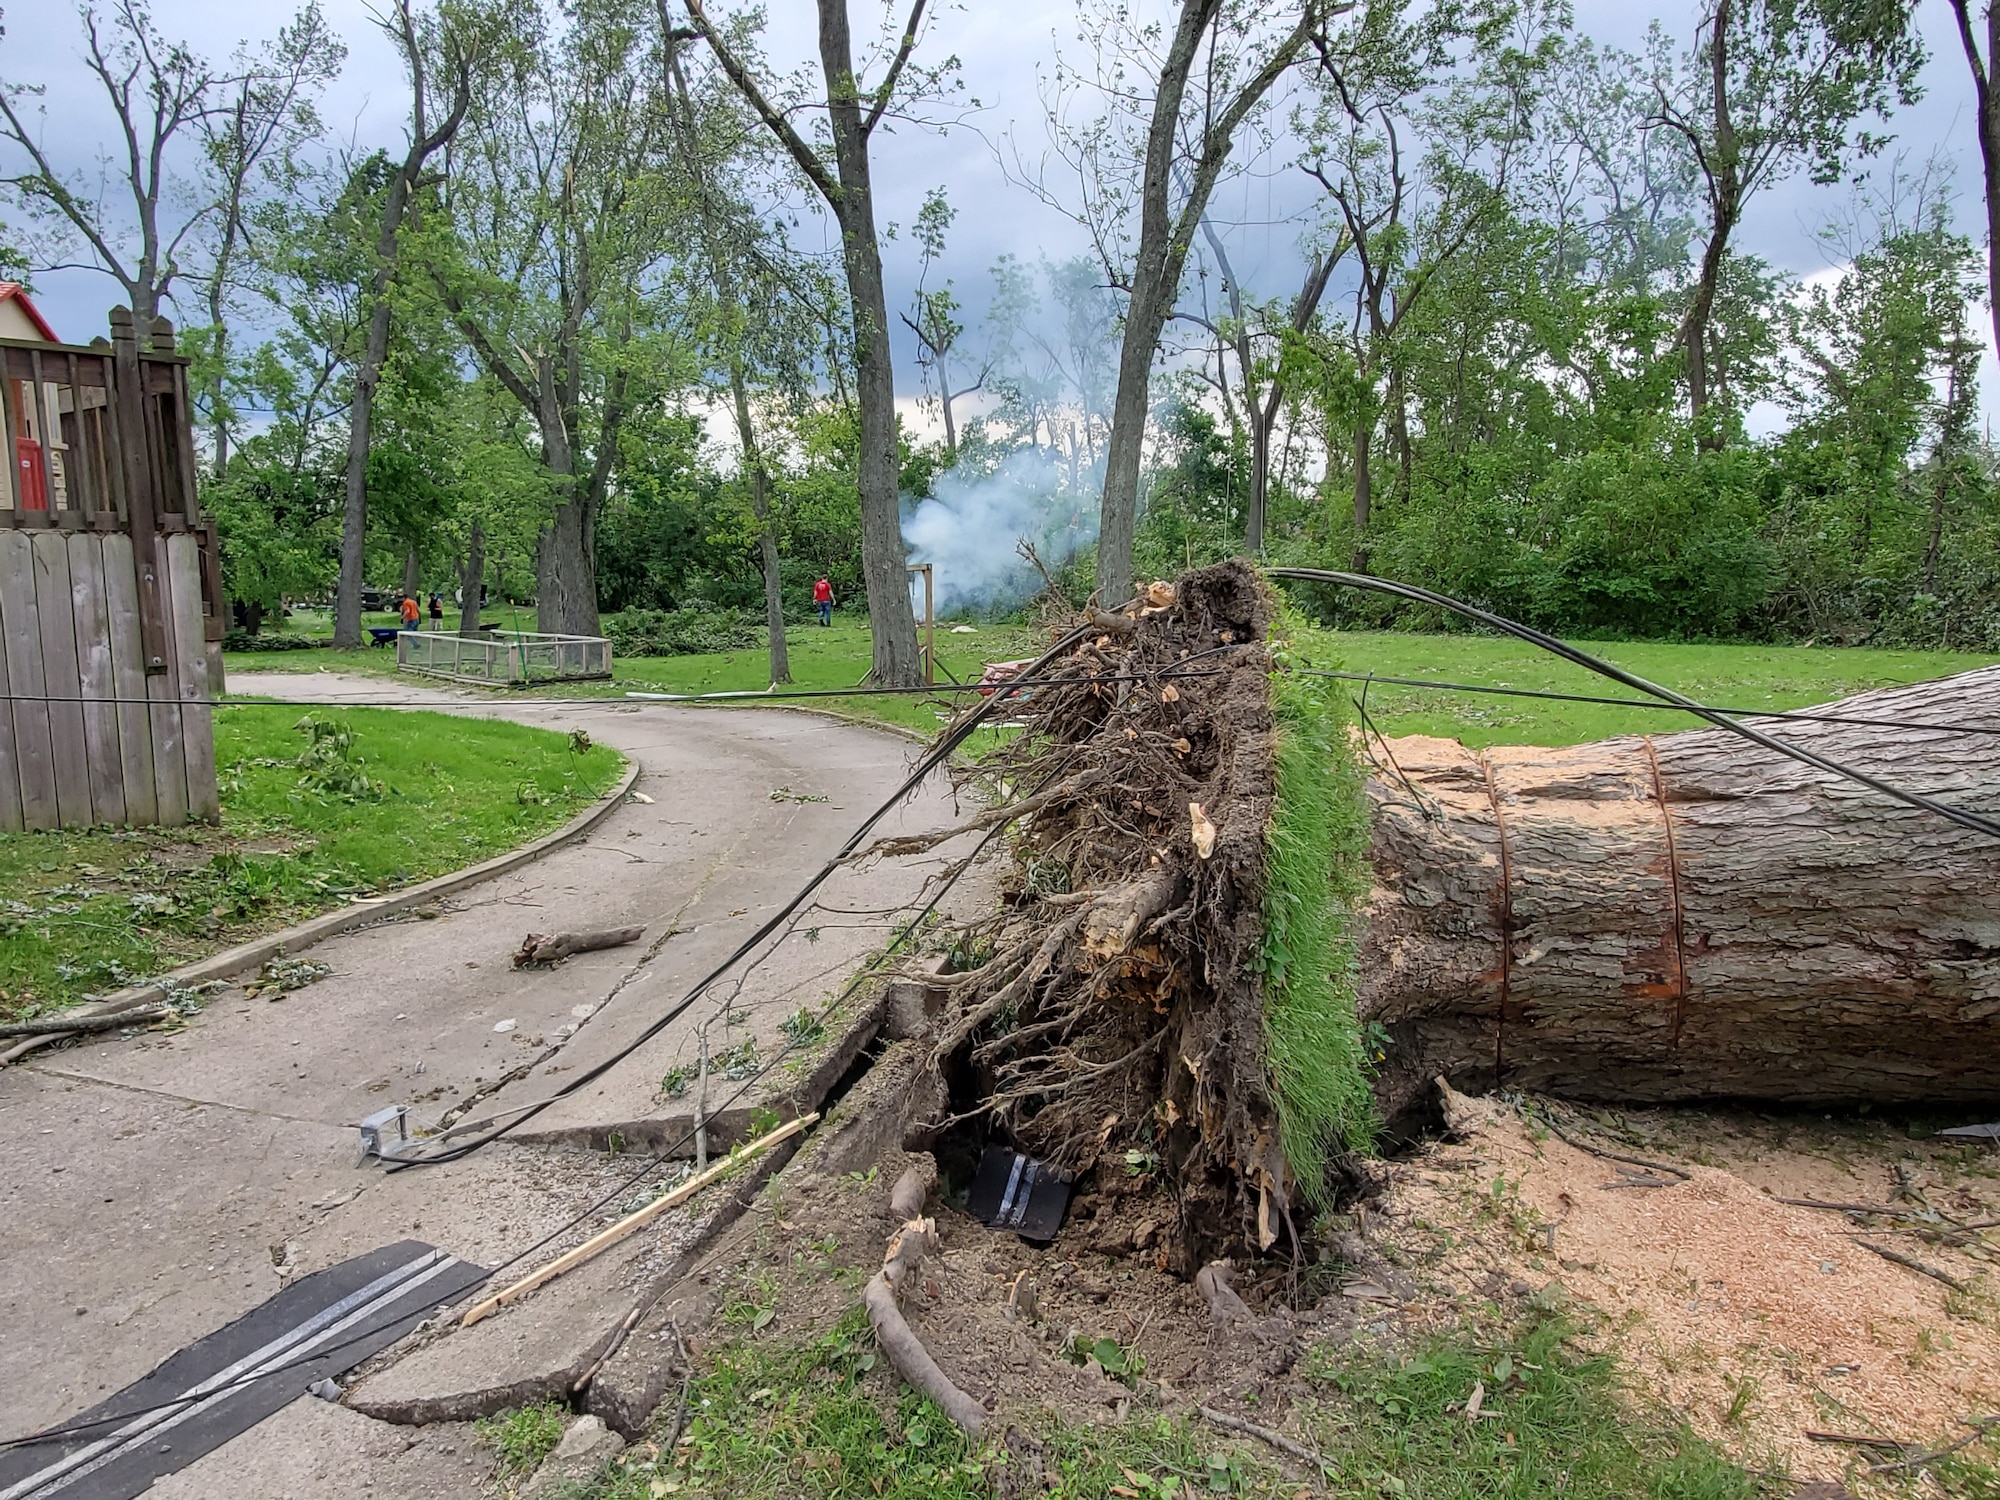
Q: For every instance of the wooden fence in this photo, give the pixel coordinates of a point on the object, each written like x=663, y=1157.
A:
x=110, y=590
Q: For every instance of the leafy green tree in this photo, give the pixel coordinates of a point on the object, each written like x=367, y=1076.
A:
x=1776, y=87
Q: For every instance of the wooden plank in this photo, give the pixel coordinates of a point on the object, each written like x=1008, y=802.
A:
x=128, y=675
x=163, y=687
x=8, y=435
x=54, y=607
x=191, y=676
x=93, y=659
x=21, y=638
x=10, y=771
x=137, y=466
x=632, y=1223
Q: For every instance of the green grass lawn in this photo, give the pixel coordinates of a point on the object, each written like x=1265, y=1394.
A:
x=85, y=912
x=771, y=1417
x=1753, y=677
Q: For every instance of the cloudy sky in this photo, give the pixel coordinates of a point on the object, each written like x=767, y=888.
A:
x=1006, y=51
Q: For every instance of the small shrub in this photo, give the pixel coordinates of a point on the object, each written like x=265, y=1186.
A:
x=688, y=631
x=329, y=763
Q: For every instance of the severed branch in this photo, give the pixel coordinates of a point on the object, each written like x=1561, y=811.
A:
x=1981, y=1427
x=1263, y=1435
x=538, y=949
x=1922, y=1268
x=993, y=817
x=137, y=1015
x=906, y=1351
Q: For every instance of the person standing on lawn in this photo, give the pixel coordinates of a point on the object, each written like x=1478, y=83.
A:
x=437, y=611
x=409, y=612
x=823, y=601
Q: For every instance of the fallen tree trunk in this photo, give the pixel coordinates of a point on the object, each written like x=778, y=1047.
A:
x=1689, y=915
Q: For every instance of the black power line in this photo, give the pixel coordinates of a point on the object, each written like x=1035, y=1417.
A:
x=1964, y=817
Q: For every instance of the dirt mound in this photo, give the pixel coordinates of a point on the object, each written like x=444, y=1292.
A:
x=1114, y=1001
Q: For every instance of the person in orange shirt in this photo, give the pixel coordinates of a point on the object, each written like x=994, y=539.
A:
x=410, y=612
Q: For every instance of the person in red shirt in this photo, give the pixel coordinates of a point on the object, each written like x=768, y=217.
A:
x=823, y=601
x=410, y=612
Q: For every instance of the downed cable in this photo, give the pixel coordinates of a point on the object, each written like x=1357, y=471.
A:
x=954, y=735
x=1964, y=817
x=1804, y=714
x=646, y=1169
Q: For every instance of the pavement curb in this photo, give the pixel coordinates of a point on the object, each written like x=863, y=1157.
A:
x=260, y=951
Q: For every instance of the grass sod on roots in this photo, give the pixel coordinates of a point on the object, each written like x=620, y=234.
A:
x=88, y=911
x=1316, y=877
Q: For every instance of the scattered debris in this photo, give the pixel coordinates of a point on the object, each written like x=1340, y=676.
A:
x=281, y=976
x=632, y=1223
x=538, y=950
x=1921, y=1267
x=67, y=1025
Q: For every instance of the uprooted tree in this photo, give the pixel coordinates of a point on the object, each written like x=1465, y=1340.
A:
x=1210, y=910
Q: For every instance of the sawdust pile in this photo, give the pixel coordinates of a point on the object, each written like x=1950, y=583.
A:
x=1755, y=1319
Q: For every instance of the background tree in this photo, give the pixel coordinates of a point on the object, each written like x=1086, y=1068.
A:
x=159, y=91
x=560, y=215
x=450, y=39
x=263, y=119
x=1219, y=62
x=853, y=111
x=1986, y=116
x=1776, y=87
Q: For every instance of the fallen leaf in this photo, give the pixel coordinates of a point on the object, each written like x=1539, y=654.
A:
x=642, y=797
x=1476, y=1400
x=1204, y=830
x=1170, y=694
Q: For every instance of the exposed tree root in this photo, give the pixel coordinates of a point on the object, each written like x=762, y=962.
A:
x=1121, y=1005
x=905, y=1350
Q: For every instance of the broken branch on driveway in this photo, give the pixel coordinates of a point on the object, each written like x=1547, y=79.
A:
x=538, y=950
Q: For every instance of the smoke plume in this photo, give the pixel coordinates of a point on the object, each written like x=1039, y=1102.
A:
x=970, y=527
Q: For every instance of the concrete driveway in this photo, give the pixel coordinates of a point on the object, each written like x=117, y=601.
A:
x=160, y=1186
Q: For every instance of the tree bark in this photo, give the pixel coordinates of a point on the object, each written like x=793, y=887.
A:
x=884, y=569
x=1685, y=916
x=1987, y=119
x=471, y=577
x=424, y=142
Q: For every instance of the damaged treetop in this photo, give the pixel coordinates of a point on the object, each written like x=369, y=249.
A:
x=1663, y=917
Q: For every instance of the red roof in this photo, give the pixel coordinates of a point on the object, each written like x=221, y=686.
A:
x=13, y=290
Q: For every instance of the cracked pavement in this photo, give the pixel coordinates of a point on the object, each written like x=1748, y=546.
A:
x=162, y=1185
